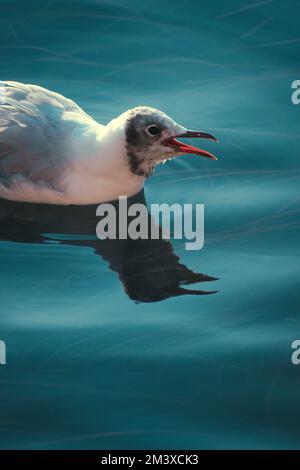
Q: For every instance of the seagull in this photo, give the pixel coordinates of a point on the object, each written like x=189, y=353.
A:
x=53, y=152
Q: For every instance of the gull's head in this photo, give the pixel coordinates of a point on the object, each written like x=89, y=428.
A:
x=151, y=138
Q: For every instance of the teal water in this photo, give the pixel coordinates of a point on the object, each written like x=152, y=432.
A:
x=87, y=367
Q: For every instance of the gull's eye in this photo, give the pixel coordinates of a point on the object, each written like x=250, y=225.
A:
x=152, y=130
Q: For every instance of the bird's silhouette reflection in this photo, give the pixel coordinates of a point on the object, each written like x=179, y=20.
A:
x=149, y=269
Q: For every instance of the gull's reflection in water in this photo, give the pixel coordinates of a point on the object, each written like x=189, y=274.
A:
x=149, y=269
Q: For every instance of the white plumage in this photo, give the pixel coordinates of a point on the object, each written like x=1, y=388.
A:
x=51, y=151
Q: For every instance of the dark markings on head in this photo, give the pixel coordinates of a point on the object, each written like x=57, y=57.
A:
x=137, y=139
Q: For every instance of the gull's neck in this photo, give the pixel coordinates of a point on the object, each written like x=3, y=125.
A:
x=100, y=164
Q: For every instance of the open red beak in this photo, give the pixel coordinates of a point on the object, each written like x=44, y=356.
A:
x=185, y=148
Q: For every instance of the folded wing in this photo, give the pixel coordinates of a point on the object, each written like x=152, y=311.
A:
x=35, y=124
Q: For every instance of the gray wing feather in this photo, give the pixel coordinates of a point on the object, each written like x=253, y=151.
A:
x=33, y=134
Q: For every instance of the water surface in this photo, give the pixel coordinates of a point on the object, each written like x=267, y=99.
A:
x=86, y=366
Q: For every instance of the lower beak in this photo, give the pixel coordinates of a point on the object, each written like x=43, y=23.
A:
x=185, y=148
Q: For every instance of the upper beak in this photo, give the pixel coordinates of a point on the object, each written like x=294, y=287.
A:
x=185, y=148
